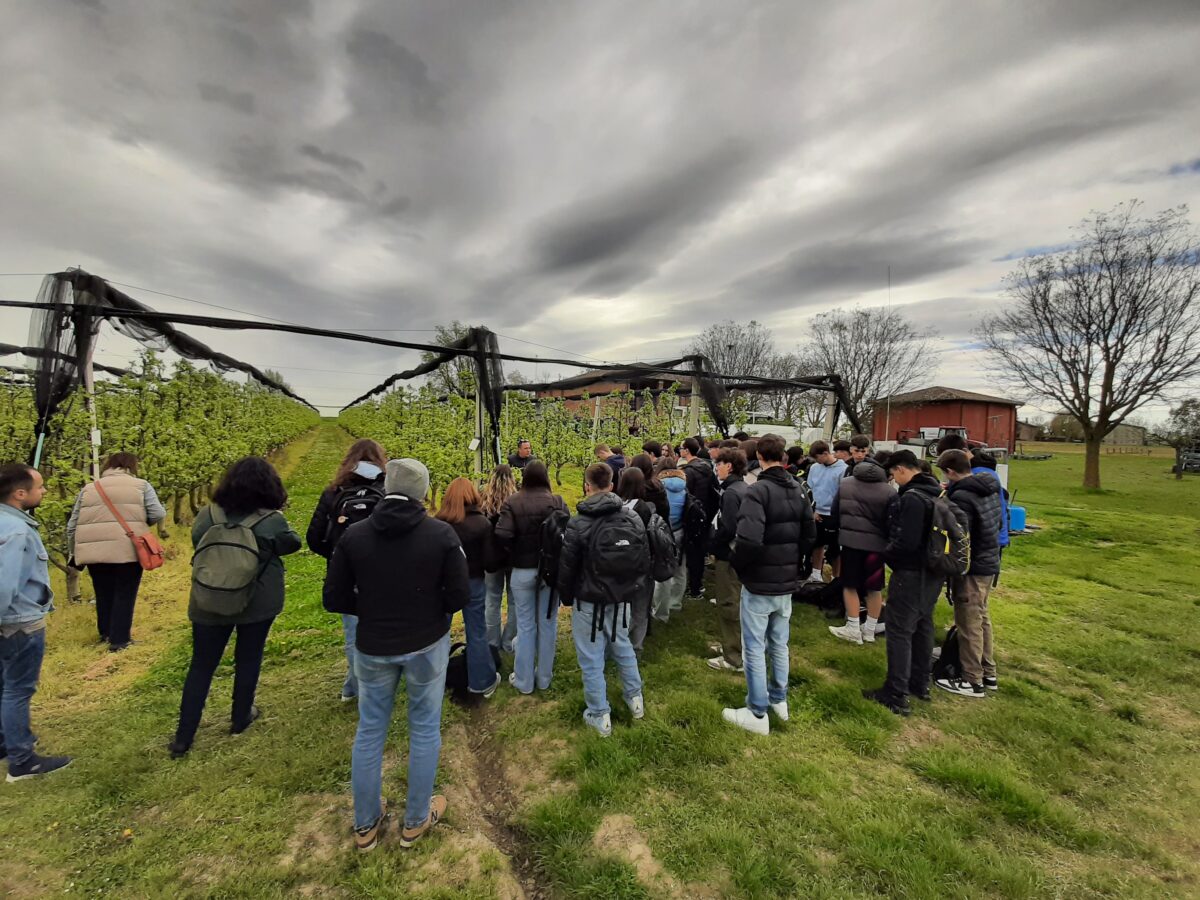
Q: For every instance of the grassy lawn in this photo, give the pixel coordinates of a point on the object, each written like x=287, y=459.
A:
x=1077, y=779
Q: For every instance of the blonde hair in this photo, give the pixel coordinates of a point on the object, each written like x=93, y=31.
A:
x=500, y=486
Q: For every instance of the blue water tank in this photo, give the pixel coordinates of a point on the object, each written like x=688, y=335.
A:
x=1016, y=518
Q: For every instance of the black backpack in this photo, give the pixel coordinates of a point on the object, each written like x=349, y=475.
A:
x=948, y=549
x=457, y=679
x=352, y=504
x=663, y=551
x=695, y=521
x=550, y=542
x=947, y=665
x=618, y=558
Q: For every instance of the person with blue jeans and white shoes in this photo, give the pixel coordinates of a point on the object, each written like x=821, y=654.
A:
x=603, y=566
x=404, y=575
x=775, y=533
x=25, y=599
x=518, y=534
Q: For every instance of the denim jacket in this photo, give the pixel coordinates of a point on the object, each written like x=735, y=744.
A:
x=25, y=594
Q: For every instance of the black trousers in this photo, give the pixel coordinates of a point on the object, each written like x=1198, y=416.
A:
x=116, y=587
x=208, y=646
x=693, y=555
x=912, y=597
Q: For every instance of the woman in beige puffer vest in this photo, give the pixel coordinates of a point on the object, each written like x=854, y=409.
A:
x=98, y=542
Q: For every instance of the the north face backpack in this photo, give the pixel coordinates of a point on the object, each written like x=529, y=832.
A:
x=695, y=521
x=663, y=552
x=457, y=674
x=227, y=564
x=948, y=551
x=617, y=559
x=947, y=665
x=352, y=504
x=550, y=542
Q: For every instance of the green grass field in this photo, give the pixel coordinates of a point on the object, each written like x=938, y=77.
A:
x=1078, y=779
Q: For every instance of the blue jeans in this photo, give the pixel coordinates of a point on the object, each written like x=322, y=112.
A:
x=533, y=664
x=766, y=624
x=481, y=667
x=378, y=677
x=350, y=632
x=495, y=582
x=20, y=665
x=592, y=653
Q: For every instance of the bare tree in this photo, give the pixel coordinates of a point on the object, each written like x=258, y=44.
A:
x=1106, y=326
x=736, y=348
x=875, y=351
x=458, y=375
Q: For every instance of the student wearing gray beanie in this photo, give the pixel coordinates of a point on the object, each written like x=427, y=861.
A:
x=404, y=574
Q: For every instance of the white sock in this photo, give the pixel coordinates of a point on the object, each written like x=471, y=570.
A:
x=871, y=622
x=852, y=623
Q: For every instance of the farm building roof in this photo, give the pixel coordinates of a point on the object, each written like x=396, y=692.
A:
x=937, y=393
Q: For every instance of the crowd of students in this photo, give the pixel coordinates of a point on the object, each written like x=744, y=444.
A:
x=768, y=519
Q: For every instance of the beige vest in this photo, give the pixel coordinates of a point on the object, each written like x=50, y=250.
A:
x=98, y=537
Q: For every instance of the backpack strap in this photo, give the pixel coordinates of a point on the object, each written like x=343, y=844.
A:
x=217, y=514
x=253, y=521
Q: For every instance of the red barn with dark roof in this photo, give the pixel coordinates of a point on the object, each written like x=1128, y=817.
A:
x=990, y=420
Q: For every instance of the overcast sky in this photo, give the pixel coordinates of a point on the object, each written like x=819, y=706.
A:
x=605, y=178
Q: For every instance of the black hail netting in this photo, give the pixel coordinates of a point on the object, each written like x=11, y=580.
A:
x=75, y=292
x=65, y=334
x=490, y=378
x=712, y=391
x=38, y=353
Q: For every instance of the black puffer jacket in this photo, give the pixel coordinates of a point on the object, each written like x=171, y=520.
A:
x=702, y=484
x=909, y=527
x=979, y=497
x=402, y=573
x=475, y=533
x=520, y=524
x=575, y=581
x=656, y=496
x=732, y=490
x=863, y=506
x=775, y=532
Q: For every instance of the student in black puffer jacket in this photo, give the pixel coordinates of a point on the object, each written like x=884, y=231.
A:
x=864, y=503
x=775, y=531
x=731, y=467
x=362, y=467
x=978, y=496
x=518, y=533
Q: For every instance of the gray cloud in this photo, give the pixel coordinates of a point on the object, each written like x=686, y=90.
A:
x=242, y=101
x=594, y=177
x=339, y=161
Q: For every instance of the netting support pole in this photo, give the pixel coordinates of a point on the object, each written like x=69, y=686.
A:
x=479, y=433
x=596, y=422
x=694, y=410
x=831, y=416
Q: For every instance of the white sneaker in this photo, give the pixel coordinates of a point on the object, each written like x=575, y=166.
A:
x=715, y=648
x=721, y=664
x=868, y=634
x=744, y=718
x=848, y=632
x=880, y=628
x=712, y=600
x=637, y=706
x=487, y=695
x=603, y=725
x=780, y=710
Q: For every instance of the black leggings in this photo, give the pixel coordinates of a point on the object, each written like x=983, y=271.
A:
x=208, y=646
x=116, y=587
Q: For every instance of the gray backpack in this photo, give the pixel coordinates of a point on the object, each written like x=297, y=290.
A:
x=227, y=565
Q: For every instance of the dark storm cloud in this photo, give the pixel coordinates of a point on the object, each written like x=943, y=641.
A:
x=338, y=160
x=560, y=170
x=242, y=101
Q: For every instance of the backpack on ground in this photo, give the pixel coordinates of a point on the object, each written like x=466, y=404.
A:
x=458, y=682
x=663, y=552
x=695, y=521
x=947, y=665
x=617, y=559
x=352, y=504
x=948, y=551
x=227, y=564
x=822, y=596
x=550, y=543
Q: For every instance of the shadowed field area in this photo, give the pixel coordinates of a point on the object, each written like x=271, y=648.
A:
x=1077, y=779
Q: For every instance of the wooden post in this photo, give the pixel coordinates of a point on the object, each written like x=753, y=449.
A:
x=596, y=422
x=693, y=411
x=830, y=412
x=478, y=432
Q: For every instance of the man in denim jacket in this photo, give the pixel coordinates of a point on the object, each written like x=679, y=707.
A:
x=25, y=599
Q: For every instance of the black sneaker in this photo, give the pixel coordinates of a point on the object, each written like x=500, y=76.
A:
x=37, y=765
x=992, y=684
x=255, y=712
x=178, y=749
x=961, y=686
x=883, y=699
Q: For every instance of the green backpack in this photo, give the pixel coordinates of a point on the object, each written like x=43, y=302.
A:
x=226, y=565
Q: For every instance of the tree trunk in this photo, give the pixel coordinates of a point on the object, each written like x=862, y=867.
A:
x=1091, y=461
x=177, y=510
x=72, y=575
x=1179, y=463
x=194, y=501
